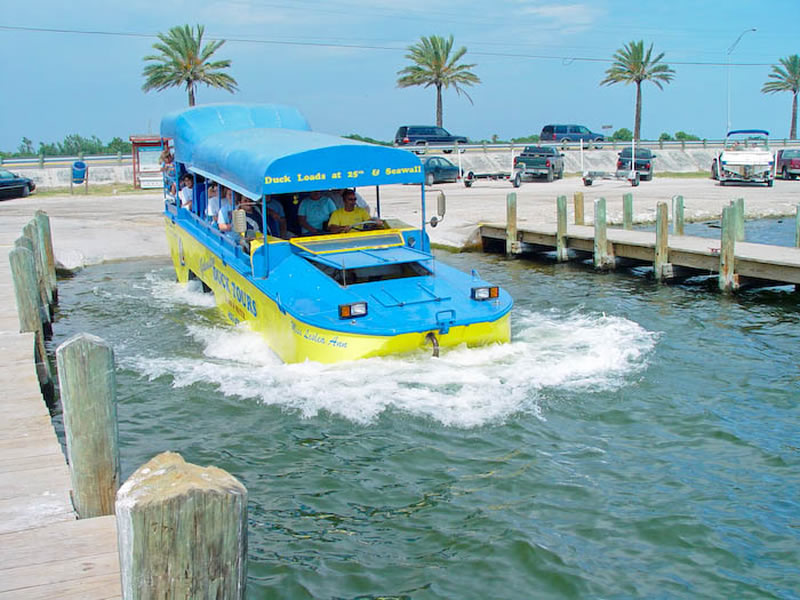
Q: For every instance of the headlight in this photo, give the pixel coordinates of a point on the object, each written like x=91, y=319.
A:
x=351, y=311
x=485, y=293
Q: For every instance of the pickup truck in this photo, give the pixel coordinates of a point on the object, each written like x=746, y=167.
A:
x=787, y=163
x=537, y=161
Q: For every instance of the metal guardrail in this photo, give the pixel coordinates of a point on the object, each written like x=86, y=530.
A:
x=43, y=162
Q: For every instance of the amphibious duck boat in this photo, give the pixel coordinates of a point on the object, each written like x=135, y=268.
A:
x=323, y=298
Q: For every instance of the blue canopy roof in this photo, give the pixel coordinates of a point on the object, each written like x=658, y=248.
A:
x=266, y=149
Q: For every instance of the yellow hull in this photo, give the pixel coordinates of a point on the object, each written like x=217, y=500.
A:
x=293, y=340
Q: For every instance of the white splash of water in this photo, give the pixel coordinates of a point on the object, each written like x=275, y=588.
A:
x=465, y=387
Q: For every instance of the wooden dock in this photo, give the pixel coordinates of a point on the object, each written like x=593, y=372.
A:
x=673, y=257
x=45, y=551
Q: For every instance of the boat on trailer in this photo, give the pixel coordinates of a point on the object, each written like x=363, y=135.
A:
x=324, y=298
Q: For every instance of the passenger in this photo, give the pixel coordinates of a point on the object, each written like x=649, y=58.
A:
x=252, y=216
x=276, y=218
x=360, y=202
x=212, y=208
x=186, y=194
x=225, y=216
x=314, y=213
x=167, y=162
x=343, y=219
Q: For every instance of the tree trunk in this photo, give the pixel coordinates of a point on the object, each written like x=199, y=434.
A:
x=637, y=122
x=438, y=104
x=793, y=129
x=191, y=94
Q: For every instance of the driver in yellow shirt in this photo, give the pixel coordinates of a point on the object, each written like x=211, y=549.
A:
x=343, y=219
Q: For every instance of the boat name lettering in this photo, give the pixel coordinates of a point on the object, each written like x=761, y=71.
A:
x=235, y=291
x=315, y=337
x=206, y=264
x=284, y=179
x=314, y=177
x=417, y=169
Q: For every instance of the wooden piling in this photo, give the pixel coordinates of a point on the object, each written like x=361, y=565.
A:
x=512, y=244
x=45, y=234
x=677, y=212
x=739, y=203
x=728, y=279
x=797, y=227
x=627, y=211
x=662, y=242
x=562, y=253
x=182, y=531
x=26, y=293
x=88, y=396
x=603, y=257
x=577, y=201
x=31, y=231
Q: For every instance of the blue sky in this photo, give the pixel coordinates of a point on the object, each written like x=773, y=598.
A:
x=539, y=61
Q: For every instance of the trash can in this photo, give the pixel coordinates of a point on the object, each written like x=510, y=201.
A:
x=79, y=170
x=80, y=175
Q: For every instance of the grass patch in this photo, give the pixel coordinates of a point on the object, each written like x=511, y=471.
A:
x=103, y=189
x=682, y=175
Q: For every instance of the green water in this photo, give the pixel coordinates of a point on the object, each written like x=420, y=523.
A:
x=633, y=441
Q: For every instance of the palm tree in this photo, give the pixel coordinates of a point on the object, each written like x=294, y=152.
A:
x=786, y=78
x=632, y=64
x=182, y=62
x=433, y=65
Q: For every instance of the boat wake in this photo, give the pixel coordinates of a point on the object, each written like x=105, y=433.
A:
x=464, y=387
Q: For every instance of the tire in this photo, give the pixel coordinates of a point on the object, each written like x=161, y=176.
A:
x=561, y=173
x=550, y=175
x=564, y=143
x=587, y=182
x=648, y=177
x=447, y=151
x=598, y=144
x=467, y=183
x=517, y=180
x=770, y=182
x=25, y=191
x=714, y=171
x=784, y=174
x=429, y=179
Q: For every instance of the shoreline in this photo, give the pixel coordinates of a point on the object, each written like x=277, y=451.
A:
x=89, y=230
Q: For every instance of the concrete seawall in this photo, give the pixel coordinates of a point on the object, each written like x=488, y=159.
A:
x=675, y=161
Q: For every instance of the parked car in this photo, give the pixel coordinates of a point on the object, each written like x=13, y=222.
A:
x=746, y=158
x=538, y=161
x=12, y=185
x=787, y=163
x=570, y=133
x=643, y=163
x=421, y=135
x=439, y=170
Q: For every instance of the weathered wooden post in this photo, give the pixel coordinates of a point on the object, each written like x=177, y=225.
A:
x=627, y=211
x=182, y=532
x=45, y=235
x=661, y=261
x=26, y=293
x=739, y=203
x=512, y=244
x=677, y=211
x=89, y=398
x=577, y=201
x=728, y=279
x=797, y=227
x=603, y=258
x=562, y=254
x=32, y=231
x=44, y=311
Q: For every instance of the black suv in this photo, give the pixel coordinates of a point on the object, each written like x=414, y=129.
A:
x=570, y=133
x=420, y=135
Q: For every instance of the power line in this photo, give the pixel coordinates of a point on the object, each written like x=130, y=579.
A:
x=565, y=59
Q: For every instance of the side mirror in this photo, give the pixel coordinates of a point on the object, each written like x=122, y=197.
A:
x=441, y=209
